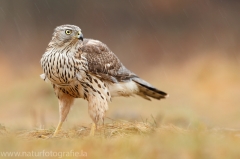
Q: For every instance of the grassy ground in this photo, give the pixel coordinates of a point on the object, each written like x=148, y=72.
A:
x=122, y=139
x=200, y=119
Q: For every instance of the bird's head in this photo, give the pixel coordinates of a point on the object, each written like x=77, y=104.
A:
x=66, y=34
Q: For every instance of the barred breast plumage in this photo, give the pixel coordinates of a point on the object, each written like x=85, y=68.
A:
x=63, y=69
x=67, y=70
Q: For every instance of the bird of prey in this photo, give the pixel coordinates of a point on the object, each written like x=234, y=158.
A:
x=86, y=68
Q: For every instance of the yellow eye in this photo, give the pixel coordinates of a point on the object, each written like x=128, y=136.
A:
x=68, y=31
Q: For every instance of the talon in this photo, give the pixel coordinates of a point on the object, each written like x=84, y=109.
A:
x=43, y=137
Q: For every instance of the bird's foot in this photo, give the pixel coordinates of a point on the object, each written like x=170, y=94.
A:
x=43, y=137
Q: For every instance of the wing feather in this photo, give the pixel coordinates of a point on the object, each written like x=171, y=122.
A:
x=104, y=63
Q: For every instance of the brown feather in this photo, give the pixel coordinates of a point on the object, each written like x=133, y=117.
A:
x=146, y=90
x=104, y=63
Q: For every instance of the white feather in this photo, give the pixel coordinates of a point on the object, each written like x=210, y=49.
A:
x=44, y=77
x=93, y=42
x=123, y=89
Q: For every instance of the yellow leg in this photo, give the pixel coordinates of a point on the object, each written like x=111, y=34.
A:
x=58, y=128
x=65, y=102
x=93, y=128
x=55, y=133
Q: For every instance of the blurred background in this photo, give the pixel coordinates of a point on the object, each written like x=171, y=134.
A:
x=188, y=48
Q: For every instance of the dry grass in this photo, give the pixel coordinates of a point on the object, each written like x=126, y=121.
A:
x=115, y=129
x=122, y=139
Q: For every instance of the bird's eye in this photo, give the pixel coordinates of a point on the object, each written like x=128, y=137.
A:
x=68, y=31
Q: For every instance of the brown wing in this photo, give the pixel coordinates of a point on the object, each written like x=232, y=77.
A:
x=104, y=63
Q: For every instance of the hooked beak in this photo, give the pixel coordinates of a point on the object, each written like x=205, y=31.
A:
x=80, y=36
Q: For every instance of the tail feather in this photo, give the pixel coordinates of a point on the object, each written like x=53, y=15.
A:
x=146, y=90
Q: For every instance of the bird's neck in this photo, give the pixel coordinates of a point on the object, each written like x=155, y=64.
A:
x=70, y=46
